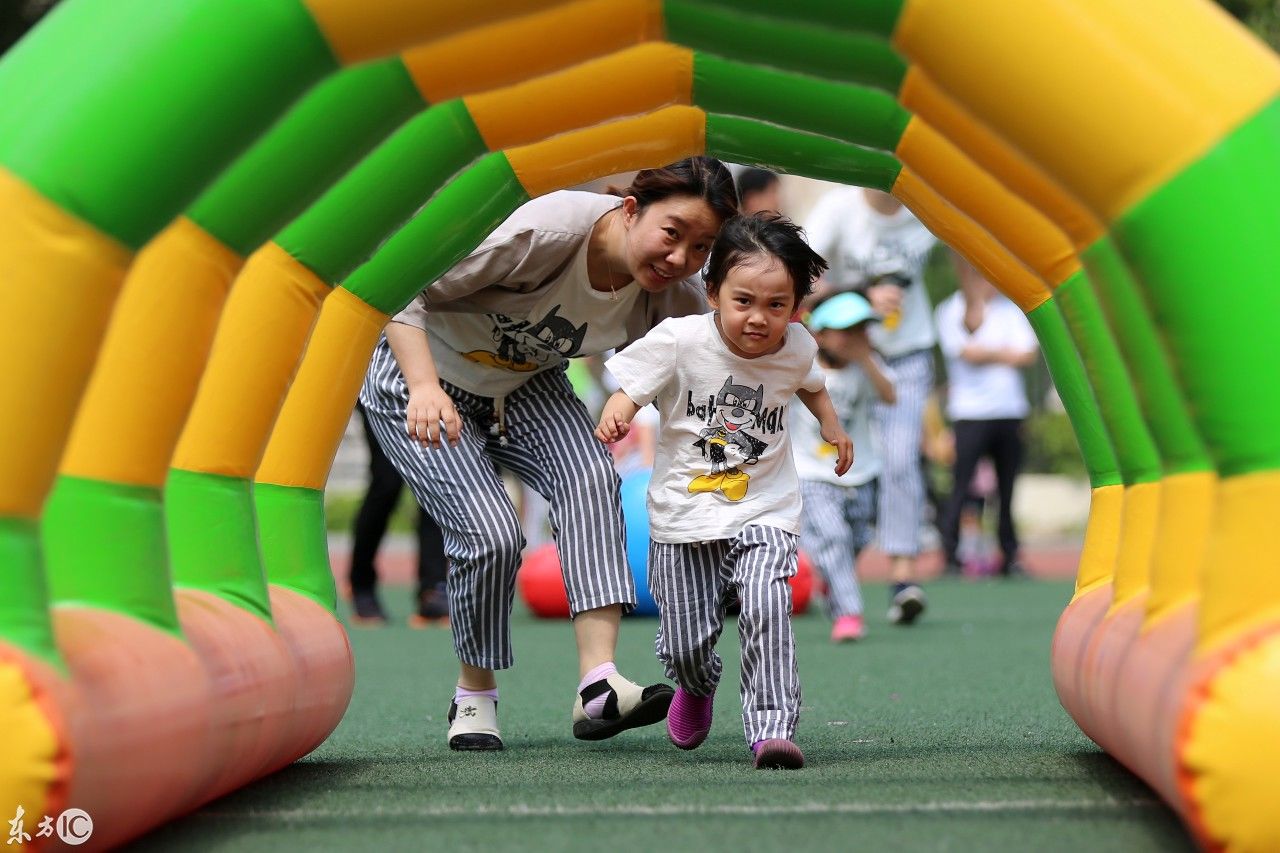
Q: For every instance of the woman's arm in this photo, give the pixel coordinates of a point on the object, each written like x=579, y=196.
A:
x=429, y=406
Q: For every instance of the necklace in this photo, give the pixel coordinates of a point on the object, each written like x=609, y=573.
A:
x=613, y=293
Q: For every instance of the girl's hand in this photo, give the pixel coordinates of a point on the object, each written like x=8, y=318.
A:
x=613, y=427
x=834, y=435
x=432, y=416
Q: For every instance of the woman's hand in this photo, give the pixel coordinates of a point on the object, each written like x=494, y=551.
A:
x=432, y=416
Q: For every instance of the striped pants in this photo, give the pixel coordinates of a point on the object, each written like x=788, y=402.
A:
x=550, y=446
x=901, y=480
x=835, y=527
x=689, y=582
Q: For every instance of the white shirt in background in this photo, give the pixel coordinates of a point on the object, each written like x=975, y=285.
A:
x=852, y=395
x=984, y=392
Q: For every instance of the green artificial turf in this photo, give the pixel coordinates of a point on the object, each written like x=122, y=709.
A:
x=943, y=736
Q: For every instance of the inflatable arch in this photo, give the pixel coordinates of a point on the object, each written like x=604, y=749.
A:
x=195, y=274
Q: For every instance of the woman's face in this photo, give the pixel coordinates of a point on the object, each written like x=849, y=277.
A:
x=667, y=241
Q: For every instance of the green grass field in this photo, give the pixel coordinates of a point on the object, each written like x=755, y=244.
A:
x=943, y=736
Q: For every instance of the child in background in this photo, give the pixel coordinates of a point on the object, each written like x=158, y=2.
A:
x=840, y=510
x=722, y=383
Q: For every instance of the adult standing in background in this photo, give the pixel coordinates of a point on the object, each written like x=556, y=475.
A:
x=986, y=340
x=877, y=246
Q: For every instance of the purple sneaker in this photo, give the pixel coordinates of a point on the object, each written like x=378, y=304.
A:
x=689, y=719
x=777, y=754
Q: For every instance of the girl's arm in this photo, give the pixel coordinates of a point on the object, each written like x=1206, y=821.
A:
x=429, y=406
x=882, y=383
x=819, y=402
x=615, y=420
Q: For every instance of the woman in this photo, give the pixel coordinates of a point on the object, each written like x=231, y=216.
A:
x=471, y=376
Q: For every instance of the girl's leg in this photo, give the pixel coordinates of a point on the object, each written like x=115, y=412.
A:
x=825, y=535
x=760, y=562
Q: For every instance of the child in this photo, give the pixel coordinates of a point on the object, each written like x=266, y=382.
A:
x=840, y=510
x=722, y=383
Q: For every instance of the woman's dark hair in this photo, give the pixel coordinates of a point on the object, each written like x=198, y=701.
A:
x=745, y=237
x=701, y=177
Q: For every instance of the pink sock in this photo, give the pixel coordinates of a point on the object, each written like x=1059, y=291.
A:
x=461, y=692
x=595, y=707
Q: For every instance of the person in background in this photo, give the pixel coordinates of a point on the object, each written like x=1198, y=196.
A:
x=759, y=191
x=385, y=485
x=876, y=245
x=840, y=510
x=986, y=341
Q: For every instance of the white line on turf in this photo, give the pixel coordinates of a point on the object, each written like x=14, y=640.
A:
x=675, y=810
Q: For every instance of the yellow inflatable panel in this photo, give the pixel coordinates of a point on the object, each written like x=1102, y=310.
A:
x=60, y=280
x=1231, y=749
x=1137, y=538
x=318, y=407
x=512, y=51
x=632, y=82
x=1109, y=118
x=1101, y=539
x=1023, y=230
x=969, y=239
x=1005, y=163
x=152, y=358
x=357, y=30
x=1242, y=575
x=636, y=143
x=30, y=745
x=264, y=327
x=1182, y=537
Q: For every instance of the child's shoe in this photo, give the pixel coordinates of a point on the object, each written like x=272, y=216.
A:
x=366, y=609
x=689, y=719
x=907, y=604
x=777, y=754
x=473, y=724
x=848, y=629
x=627, y=706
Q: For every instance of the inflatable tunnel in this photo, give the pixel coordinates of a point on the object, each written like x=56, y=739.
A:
x=210, y=208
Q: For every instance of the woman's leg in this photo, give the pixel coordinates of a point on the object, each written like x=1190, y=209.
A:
x=460, y=489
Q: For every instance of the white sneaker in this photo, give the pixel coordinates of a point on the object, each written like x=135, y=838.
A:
x=473, y=724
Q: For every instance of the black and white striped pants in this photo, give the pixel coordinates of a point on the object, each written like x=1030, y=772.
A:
x=901, y=480
x=834, y=529
x=689, y=581
x=550, y=446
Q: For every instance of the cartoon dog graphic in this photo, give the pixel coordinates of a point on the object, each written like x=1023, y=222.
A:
x=524, y=346
x=726, y=444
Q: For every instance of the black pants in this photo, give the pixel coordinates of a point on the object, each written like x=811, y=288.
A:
x=1001, y=441
x=374, y=515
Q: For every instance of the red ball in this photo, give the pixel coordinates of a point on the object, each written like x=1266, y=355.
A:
x=541, y=583
x=802, y=584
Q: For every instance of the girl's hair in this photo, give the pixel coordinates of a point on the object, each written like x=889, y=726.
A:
x=772, y=235
x=701, y=177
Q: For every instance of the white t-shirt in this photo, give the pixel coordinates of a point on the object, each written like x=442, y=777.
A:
x=858, y=243
x=724, y=457
x=522, y=303
x=852, y=394
x=984, y=392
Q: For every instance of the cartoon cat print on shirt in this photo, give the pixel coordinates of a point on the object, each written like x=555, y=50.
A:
x=725, y=442
x=524, y=345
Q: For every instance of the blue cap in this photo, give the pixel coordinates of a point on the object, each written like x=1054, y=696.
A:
x=842, y=311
